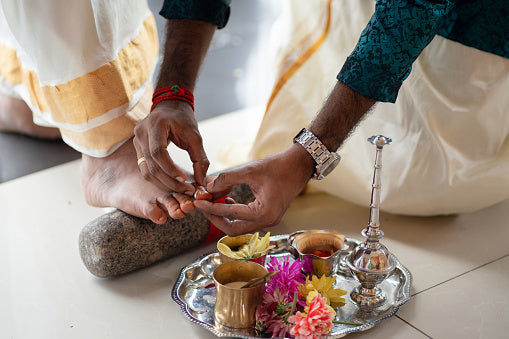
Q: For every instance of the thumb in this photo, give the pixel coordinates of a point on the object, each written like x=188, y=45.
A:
x=200, y=163
x=226, y=180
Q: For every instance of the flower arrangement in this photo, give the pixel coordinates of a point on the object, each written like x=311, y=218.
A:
x=297, y=306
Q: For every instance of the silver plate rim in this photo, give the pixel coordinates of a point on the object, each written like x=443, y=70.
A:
x=366, y=326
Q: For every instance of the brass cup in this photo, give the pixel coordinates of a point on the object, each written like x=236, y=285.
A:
x=237, y=241
x=303, y=243
x=236, y=307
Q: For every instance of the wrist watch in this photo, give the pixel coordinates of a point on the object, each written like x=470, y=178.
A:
x=325, y=161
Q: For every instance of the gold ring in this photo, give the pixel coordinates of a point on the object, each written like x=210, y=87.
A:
x=140, y=160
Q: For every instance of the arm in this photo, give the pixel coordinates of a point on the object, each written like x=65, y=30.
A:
x=277, y=179
x=395, y=36
x=186, y=45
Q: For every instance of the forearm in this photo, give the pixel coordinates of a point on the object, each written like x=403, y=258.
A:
x=187, y=42
x=339, y=115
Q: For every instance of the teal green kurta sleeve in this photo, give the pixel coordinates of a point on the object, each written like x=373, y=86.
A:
x=394, y=37
x=216, y=12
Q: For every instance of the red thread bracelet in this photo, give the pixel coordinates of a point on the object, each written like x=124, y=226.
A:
x=174, y=92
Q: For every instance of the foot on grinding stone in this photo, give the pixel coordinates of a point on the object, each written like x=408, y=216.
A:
x=116, y=242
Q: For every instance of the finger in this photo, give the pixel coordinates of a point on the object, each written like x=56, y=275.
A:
x=233, y=227
x=185, y=202
x=199, y=158
x=230, y=211
x=229, y=201
x=216, y=195
x=226, y=180
x=151, y=169
x=153, y=173
x=159, y=152
x=172, y=206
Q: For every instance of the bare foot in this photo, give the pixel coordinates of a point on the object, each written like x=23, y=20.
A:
x=116, y=181
x=16, y=117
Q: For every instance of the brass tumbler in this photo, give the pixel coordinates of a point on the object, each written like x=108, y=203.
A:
x=304, y=243
x=236, y=307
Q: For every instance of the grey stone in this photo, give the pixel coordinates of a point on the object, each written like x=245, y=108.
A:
x=117, y=243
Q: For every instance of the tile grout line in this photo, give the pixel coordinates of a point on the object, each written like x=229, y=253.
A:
x=406, y=322
x=459, y=275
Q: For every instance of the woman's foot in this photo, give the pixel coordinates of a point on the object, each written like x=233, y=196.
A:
x=116, y=181
x=16, y=117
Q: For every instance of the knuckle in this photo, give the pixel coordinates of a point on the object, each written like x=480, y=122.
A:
x=138, y=130
x=154, y=170
x=197, y=138
x=220, y=178
x=157, y=151
x=146, y=175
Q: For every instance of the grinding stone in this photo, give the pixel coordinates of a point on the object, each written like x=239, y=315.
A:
x=117, y=243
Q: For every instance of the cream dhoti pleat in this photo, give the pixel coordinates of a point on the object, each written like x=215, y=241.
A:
x=449, y=125
x=82, y=66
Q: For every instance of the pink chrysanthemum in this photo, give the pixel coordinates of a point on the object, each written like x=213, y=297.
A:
x=288, y=278
x=316, y=323
x=272, y=314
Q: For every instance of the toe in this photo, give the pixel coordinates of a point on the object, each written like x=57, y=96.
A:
x=172, y=206
x=155, y=213
x=185, y=202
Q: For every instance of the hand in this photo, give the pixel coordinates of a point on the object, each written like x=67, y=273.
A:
x=178, y=205
x=275, y=181
x=170, y=121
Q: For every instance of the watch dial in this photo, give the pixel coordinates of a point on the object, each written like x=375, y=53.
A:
x=332, y=166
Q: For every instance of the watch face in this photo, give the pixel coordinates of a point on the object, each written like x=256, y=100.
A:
x=324, y=171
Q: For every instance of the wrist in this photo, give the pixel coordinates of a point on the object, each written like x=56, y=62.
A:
x=325, y=161
x=175, y=106
x=174, y=92
x=302, y=161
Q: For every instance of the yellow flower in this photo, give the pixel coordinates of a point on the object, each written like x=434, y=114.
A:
x=253, y=249
x=324, y=287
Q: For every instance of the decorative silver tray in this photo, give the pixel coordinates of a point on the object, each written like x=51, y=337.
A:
x=195, y=293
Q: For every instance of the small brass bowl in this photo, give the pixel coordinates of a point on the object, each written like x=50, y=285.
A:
x=236, y=307
x=238, y=241
x=304, y=243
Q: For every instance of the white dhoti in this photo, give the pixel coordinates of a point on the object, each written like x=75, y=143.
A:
x=449, y=125
x=82, y=66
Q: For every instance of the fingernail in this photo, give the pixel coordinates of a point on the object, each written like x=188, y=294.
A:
x=189, y=193
x=180, y=179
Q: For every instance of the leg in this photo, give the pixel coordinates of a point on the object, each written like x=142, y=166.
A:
x=16, y=117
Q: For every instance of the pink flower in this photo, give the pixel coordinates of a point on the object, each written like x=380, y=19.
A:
x=272, y=314
x=316, y=323
x=288, y=278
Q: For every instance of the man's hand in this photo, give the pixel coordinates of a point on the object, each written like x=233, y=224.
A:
x=170, y=121
x=186, y=44
x=275, y=181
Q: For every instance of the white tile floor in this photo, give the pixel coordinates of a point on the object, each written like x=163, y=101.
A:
x=460, y=264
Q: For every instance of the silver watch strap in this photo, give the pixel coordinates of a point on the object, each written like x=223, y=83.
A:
x=314, y=146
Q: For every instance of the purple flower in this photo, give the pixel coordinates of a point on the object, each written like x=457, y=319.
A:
x=288, y=278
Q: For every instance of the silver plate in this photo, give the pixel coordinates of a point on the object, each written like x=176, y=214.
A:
x=195, y=293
